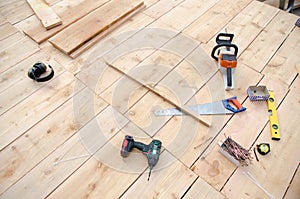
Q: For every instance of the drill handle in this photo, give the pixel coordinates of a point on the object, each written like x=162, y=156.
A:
x=141, y=146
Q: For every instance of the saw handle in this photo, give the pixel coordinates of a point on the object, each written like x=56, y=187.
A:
x=224, y=38
x=238, y=107
x=227, y=45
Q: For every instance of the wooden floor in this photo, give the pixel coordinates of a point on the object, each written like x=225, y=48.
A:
x=62, y=138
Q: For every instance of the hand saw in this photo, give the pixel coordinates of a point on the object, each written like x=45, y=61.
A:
x=214, y=108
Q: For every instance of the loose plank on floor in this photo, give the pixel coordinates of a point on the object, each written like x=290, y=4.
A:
x=71, y=38
x=69, y=12
x=45, y=13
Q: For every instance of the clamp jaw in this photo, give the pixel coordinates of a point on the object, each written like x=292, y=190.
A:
x=226, y=57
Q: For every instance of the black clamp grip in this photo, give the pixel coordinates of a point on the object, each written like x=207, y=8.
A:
x=229, y=45
x=37, y=70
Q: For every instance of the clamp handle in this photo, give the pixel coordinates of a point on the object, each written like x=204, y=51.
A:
x=238, y=106
x=227, y=45
x=224, y=38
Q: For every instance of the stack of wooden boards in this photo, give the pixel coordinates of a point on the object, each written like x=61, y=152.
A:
x=73, y=28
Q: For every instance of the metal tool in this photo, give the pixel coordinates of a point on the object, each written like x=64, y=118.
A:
x=227, y=57
x=235, y=152
x=258, y=93
x=152, y=150
x=214, y=108
x=263, y=148
x=274, y=125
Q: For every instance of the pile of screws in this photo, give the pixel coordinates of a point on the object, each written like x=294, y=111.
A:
x=237, y=151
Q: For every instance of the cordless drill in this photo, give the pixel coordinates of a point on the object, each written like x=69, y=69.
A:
x=152, y=150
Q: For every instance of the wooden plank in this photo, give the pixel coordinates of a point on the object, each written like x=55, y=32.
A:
x=6, y=30
x=52, y=2
x=21, y=86
x=284, y=62
x=45, y=13
x=185, y=13
x=287, y=149
x=293, y=191
x=16, y=53
x=11, y=40
x=96, y=172
x=36, y=107
x=69, y=12
x=209, y=23
x=25, y=153
x=123, y=99
x=161, y=7
x=213, y=167
x=71, y=38
x=201, y=189
x=70, y=64
x=2, y=20
x=12, y=75
x=266, y=44
x=88, y=44
x=196, y=138
x=159, y=93
x=16, y=11
x=49, y=174
x=170, y=181
x=246, y=26
x=119, y=35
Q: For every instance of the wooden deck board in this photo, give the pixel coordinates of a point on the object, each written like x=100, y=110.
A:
x=42, y=139
x=49, y=130
x=45, y=13
x=30, y=111
x=214, y=19
x=258, y=53
x=12, y=54
x=73, y=37
x=284, y=153
x=69, y=11
x=21, y=87
x=16, y=11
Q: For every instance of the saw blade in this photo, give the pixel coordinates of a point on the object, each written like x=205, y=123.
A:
x=213, y=108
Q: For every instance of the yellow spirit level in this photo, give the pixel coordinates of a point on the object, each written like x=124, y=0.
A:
x=274, y=126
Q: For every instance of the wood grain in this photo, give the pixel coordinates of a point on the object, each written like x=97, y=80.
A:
x=73, y=37
x=31, y=110
x=266, y=44
x=223, y=9
x=69, y=12
x=284, y=153
x=47, y=135
x=45, y=13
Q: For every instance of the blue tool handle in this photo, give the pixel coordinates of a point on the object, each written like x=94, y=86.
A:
x=238, y=107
